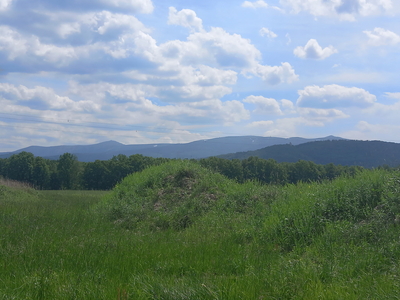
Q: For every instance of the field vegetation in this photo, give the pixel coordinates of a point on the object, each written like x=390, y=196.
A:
x=180, y=231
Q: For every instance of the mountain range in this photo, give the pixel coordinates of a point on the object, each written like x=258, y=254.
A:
x=196, y=150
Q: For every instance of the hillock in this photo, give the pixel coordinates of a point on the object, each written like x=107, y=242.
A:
x=174, y=195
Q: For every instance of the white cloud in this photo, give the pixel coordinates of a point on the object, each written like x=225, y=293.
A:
x=382, y=37
x=256, y=4
x=269, y=33
x=122, y=109
x=186, y=18
x=331, y=96
x=260, y=124
x=312, y=50
x=130, y=98
x=47, y=98
x=366, y=131
x=105, y=21
x=393, y=95
x=215, y=48
x=142, y=6
x=318, y=116
x=228, y=111
x=287, y=106
x=286, y=127
x=102, y=32
x=386, y=112
x=66, y=29
x=343, y=9
x=98, y=27
x=353, y=76
x=277, y=74
x=16, y=46
x=4, y=4
x=264, y=105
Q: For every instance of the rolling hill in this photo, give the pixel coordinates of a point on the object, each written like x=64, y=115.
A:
x=368, y=154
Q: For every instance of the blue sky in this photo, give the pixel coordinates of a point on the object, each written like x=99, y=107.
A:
x=175, y=71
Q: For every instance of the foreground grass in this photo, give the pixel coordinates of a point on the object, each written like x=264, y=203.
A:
x=336, y=240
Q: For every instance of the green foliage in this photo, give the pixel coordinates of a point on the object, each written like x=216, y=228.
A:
x=41, y=173
x=68, y=171
x=20, y=167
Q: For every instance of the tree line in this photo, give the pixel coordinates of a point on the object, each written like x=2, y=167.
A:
x=69, y=173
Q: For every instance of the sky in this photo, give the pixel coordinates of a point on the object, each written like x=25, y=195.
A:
x=176, y=71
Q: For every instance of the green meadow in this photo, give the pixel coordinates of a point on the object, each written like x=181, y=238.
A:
x=180, y=231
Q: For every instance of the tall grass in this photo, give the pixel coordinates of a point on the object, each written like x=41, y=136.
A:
x=333, y=240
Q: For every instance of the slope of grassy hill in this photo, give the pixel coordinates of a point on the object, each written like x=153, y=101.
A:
x=367, y=154
x=179, y=231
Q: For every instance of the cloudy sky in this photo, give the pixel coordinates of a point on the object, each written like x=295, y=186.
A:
x=162, y=71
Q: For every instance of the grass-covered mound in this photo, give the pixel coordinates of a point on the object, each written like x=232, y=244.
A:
x=176, y=194
x=15, y=190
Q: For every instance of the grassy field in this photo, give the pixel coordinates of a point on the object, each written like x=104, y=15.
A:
x=178, y=231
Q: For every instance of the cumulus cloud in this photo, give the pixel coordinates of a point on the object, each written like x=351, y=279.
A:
x=256, y=4
x=268, y=33
x=131, y=99
x=16, y=46
x=186, y=18
x=4, y=4
x=121, y=108
x=264, y=105
x=331, y=96
x=287, y=106
x=215, y=48
x=175, y=82
x=312, y=50
x=382, y=37
x=45, y=98
x=277, y=74
x=343, y=9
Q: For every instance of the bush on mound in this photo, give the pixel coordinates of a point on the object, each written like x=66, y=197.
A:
x=174, y=195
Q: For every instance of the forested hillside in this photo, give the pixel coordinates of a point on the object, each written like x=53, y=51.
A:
x=368, y=154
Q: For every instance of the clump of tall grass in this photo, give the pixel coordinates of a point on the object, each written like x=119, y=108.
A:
x=16, y=190
x=15, y=184
x=306, y=209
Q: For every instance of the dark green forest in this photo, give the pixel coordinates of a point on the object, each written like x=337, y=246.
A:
x=68, y=173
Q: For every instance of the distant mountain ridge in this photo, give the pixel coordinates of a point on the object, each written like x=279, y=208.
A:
x=196, y=149
x=368, y=154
